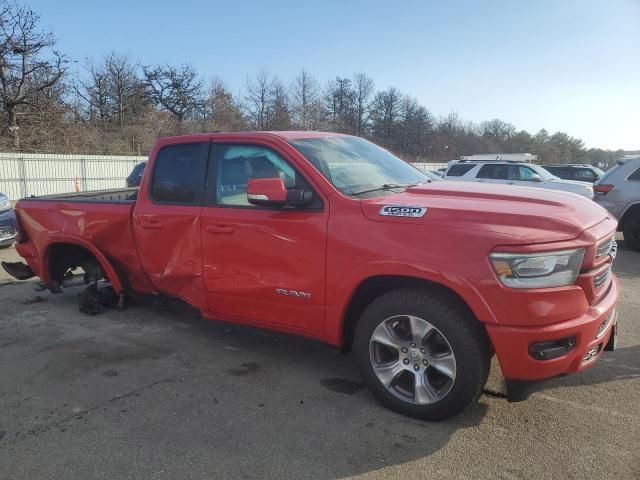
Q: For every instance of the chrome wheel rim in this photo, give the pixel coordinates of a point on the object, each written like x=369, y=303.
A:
x=412, y=359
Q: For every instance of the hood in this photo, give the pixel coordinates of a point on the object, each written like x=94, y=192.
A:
x=532, y=214
x=570, y=182
x=571, y=185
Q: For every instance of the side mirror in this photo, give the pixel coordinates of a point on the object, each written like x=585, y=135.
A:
x=535, y=178
x=270, y=192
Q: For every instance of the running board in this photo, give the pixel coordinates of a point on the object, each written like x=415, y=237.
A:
x=18, y=270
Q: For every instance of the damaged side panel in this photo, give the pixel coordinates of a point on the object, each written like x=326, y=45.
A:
x=170, y=250
x=89, y=230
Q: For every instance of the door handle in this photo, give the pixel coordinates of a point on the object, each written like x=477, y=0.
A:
x=149, y=221
x=151, y=224
x=219, y=229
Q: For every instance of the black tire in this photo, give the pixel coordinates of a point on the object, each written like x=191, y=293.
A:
x=631, y=231
x=465, y=335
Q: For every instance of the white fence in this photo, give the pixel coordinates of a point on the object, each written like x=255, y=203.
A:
x=25, y=174
x=430, y=166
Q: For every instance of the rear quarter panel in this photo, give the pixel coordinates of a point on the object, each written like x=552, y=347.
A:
x=105, y=227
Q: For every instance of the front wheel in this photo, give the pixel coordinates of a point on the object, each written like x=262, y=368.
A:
x=631, y=231
x=422, y=353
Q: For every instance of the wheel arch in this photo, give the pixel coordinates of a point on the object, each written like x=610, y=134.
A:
x=371, y=287
x=630, y=210
x=58, y=241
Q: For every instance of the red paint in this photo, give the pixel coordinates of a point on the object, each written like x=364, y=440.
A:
x=272, y=188
x=229, y=262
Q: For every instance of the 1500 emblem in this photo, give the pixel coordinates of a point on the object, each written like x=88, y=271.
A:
x=293, y=293
x=402, y=211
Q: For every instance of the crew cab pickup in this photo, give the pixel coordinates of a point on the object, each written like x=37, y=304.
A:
x=332, y=237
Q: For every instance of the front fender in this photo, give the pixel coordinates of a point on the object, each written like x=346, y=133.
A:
x=338, y=305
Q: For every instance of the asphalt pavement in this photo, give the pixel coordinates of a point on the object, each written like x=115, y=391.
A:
x=157, y=392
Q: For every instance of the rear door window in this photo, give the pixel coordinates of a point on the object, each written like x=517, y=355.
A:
x=179, y=174
x=459, y=169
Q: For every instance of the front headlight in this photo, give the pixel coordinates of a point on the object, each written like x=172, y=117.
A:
x=5, y=204
x=538, y=270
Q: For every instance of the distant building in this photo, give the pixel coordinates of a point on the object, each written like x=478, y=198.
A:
x=517, y=157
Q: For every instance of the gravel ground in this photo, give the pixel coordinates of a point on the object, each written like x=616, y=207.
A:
x=156, y=392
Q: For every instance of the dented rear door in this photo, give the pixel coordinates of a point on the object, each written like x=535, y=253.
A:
x=166, y=221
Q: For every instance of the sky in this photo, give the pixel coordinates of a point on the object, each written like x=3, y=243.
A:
x=563, y=65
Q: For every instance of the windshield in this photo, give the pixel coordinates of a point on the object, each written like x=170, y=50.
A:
x=354, y=165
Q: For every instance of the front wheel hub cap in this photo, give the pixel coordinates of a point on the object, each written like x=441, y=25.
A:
x=398, y=368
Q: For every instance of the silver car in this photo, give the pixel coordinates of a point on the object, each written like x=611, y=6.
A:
x=513, y=173
x=619, y=192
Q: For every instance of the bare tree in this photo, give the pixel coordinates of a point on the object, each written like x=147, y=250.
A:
x=305, y=101
x=385, y=114
x=339, y=104
x=363, y=87
x=29, y=65
x=223, y=110
x=177, y=90
x=121, y=84
x=259, y=100
x=94, y=93
x=280, y=118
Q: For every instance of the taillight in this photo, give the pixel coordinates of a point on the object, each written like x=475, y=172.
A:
x=602, y=189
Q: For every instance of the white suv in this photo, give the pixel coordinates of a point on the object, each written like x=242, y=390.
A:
x=513, y=173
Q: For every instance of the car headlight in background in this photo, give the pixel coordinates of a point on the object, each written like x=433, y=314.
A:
x=5, y=204
x=538, y=270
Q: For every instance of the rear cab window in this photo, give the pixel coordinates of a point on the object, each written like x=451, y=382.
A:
x=179, y=174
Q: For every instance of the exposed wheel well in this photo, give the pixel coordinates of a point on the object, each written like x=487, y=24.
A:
x=373, y=287
x=65, y=257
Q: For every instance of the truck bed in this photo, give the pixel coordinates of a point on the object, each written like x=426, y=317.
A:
x=119, y=195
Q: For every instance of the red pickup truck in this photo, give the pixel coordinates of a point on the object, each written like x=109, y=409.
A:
x=332, y=237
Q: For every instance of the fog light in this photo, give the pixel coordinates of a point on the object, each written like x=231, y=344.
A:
x=552, y=348
x=591, y=354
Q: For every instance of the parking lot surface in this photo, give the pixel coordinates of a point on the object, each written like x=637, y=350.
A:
x=156, y=392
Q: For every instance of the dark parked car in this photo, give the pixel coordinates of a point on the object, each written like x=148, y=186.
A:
x=580, y=172
x=134, y=178
x=7, y=222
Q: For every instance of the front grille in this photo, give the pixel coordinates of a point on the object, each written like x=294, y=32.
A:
x=601, y=278
x=606, y=247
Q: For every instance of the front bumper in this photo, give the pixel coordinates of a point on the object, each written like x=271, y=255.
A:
x=512, y=343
